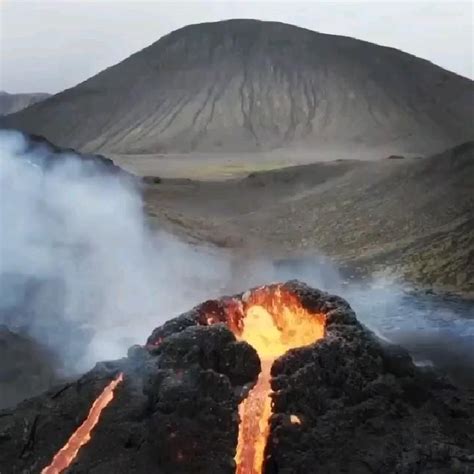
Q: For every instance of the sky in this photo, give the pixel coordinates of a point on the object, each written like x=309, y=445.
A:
x=51, y=45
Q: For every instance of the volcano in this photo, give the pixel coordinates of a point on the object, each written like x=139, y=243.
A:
x=279, y=379
x=247, y=85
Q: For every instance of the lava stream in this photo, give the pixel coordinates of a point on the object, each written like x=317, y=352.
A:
x=273, y=323
x=254, y=412
x=82, y=435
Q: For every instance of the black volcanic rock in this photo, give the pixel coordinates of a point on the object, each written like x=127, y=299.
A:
x=360, y=405
x=246, y=85
x=368, y=409
x=176, y=410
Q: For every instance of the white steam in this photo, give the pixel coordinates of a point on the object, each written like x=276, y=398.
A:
x=75, y=238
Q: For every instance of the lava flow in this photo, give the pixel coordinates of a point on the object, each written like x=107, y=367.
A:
x=82, y=435
x=273, y=323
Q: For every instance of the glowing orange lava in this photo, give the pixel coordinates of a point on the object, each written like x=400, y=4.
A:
x=273, y=322
x=254, y=412
x=82, y=435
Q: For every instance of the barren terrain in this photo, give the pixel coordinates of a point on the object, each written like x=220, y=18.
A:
x=410, y=216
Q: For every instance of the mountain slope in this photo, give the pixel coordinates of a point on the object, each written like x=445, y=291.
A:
x=414, y=215
x=247, y=85
x=10, y=103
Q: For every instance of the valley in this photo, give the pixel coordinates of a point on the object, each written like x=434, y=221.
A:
x=411, y=217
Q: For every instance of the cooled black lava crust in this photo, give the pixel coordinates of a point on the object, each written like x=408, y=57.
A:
x=362, y=404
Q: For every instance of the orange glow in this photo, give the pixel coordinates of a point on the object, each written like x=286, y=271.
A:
x=66, y=455
x=273, y=323
x=254, y=412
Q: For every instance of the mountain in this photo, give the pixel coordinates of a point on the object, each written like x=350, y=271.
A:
x=10, y=103
x=247, y=85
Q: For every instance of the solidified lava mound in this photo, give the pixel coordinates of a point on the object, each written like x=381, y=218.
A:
x=343, y=401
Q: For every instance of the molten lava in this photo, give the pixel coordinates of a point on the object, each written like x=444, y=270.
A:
x=254, y=412
x=273, y=322
x=82, y=435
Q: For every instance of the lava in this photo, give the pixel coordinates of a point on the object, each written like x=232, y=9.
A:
x=273, y=322
x=254, y=412
x=66, y=455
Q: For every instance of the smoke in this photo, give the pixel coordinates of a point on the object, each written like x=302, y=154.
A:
x=82, y=272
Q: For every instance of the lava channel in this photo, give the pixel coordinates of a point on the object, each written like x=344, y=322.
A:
x=66, y=455
x=273, y=323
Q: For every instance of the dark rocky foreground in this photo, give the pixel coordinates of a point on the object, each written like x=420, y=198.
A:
x=363, y=406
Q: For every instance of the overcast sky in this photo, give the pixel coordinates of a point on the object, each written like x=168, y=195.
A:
x=50, y=45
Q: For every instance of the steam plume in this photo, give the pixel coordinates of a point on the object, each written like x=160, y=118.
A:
x=80, y=269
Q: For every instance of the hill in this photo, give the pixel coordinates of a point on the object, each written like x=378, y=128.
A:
x=247, y=85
